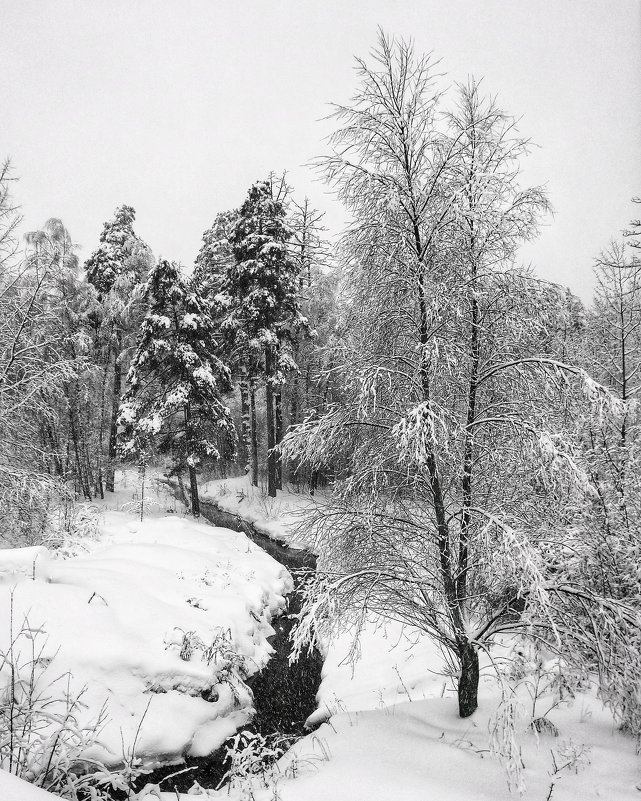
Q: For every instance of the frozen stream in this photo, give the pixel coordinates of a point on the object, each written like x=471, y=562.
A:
x=284, y=694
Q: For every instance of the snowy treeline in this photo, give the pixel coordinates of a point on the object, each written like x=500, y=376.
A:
x=128, y=358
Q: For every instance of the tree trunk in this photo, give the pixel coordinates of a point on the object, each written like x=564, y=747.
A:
x=101, y=430
x=245, y=449
x=278, y=435
x=193, y=481
x=83, y=481
x=293, y=422
x=468, y=452
x=89, y=466
x=181, y=488
x=455, y=591
x=113, y=431
x=468, y=685
x=54, y=443
x=293, y=401
x=142, y=472
x=101, y=484
x=254, y=433
x=193, y=485
x=271, y=437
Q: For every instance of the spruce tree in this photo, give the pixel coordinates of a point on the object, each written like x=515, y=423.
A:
x=174, y=401
x=215, y=256
x=261, y=297
x=116, y=269
x=213, y=264
x=120, y=252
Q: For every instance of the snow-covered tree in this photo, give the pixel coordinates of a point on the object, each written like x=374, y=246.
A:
x=607, y=515
x=308, y=245
x=633, y=233
x=450, y=445
x=214, y=263
x=68, y=428
x=176, y=383
x=9, y=216
x=215, y=257
x=615, y=344
x=117, y=269
x=312, y=386
x=120, y=251
x=261, y=297
x=34, y=368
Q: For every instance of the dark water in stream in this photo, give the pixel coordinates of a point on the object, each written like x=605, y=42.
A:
x=284, y=694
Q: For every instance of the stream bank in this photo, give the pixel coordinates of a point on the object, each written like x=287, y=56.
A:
x=284, y=694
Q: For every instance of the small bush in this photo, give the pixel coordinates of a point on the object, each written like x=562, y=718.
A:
x=43, y=736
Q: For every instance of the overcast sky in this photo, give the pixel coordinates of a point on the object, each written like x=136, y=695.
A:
x=177, y=107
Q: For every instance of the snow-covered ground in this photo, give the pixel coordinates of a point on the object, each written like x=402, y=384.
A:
x=14, y=789
x=378, y=745
x=392, y=732
x=154, y=621
x=422, y=751
x=280, y=518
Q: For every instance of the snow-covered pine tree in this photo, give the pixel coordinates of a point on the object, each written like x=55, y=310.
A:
x=263, y=313
x=213, y=264
x=119, y=252
x=116, y=269
x=216, y=256
x=174, y=400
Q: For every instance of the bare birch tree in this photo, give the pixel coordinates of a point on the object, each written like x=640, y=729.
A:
x=449, y=447
x=33, y=366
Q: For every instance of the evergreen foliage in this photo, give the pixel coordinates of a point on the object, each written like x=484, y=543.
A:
x=117, y=270
x=120, y=251
x=215, y=257
x=176, y=383
x=260, y=309
x=261, y=289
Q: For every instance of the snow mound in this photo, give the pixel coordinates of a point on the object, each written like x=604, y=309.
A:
x=14, y=789
x=158, y=623
x=422, y=751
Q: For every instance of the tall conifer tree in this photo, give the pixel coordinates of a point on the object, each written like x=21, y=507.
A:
x=176, y=383
x=117, y=268
x=261, y=294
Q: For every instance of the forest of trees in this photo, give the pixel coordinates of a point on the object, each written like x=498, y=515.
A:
x=475, y=429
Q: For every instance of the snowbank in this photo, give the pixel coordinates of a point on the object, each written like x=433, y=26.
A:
x=133, y=616
x=389, y=664
x=14, y=789
x=393, y=731
x=157, y=623
x=20, y=562
x=422, y=751
x=278, y=518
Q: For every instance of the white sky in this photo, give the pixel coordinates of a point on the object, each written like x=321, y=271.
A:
x=177, y=107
